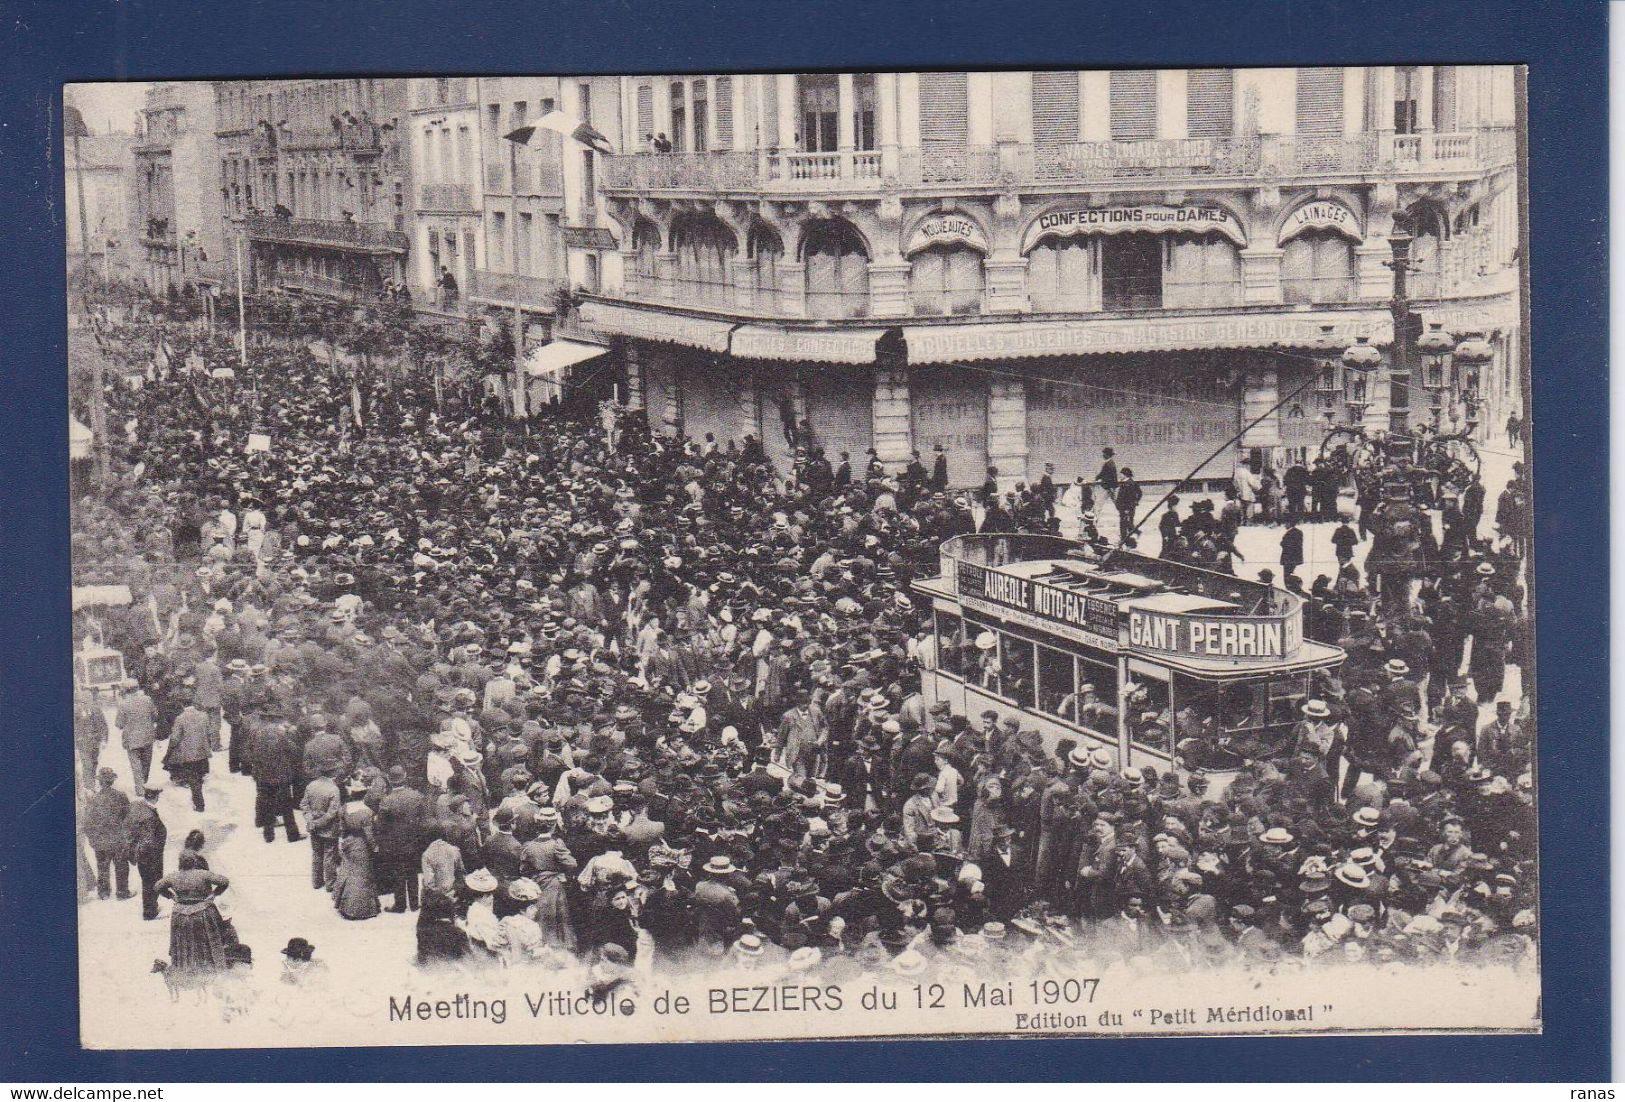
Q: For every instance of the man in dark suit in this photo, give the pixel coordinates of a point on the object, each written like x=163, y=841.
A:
x=146, y=836
x=939, y=470
x=1003, y=885
x=1291, y=548
x=401, y=835
x=273, y=761
x=105, y=819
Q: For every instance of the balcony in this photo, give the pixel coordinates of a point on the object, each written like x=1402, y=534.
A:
x=444, y=197
x=504, y=288
x=1015, y=164
x=358, y=137
x=323, y=286
x=331, y=233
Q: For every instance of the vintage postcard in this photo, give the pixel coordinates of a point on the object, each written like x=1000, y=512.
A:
x=738, y=556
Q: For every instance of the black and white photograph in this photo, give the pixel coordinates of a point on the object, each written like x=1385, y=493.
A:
x=737, y=556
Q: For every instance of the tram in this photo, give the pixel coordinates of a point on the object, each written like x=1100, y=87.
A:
x=1155, y=662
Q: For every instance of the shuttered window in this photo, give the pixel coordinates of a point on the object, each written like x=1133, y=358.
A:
x=944, y=109
x=646, y=111
x=724, y=112
x=1444, y=98
x=1055, y=108
x=1320, y=101
x=1133, y=104
x=1210, y=103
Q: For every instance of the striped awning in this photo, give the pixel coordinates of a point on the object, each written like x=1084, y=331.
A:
x=657, y=325
x=837, y=346
x=1089, y=336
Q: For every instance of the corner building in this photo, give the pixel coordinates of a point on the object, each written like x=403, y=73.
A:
x=1070, y=260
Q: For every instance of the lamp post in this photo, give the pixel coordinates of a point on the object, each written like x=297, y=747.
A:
x=519, y=403
x=73, y=124
x=1399, y=306
x=1435, y=346
x=1472, y=354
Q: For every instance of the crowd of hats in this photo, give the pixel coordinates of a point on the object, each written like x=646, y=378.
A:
x=599, y=634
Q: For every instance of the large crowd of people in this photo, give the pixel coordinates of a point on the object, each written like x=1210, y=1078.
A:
x=577, y=691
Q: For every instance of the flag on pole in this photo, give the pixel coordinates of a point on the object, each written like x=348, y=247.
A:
x=561, y=123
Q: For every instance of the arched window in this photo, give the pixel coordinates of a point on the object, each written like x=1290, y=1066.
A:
x=765, y=250
x=946, y=279
x=646, y=246
x=703, y=246
x=837, y=270
x=1201, y=270
x=1317, y=266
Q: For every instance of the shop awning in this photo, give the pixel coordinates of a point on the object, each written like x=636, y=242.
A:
x=657, y=325
x=79, y=439
x=833, y=346
x=928, y=344
x=553, y=357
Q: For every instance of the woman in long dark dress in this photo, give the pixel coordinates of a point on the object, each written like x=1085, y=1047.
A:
x=355, y=888
x=197, y=936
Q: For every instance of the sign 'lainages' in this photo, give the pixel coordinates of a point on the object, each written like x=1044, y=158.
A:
x=1321, y=214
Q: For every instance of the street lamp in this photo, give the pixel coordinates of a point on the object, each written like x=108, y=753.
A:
x=1435, y=346
x=1361, y=359
x=1328, y=380
x=1472, y=353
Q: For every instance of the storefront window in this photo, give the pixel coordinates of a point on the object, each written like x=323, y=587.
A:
x=950, y=644
x=946, y=280
x=703, y=247
x=1061, y=274
x=1131, y=271
x=837, y=270
x=1016, y=670
x=1317, y=266
x=1150, y=723
x=1202, y=271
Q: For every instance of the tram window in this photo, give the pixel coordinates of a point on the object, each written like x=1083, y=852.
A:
x=1287, y=695
x=950, y=644
x=981, y=655
x=1150, y=724
x=1221, y=724
x=1016, y=670
x=1098, y=705
x=1057, y=684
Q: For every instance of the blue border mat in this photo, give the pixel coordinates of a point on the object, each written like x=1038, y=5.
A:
x=1564, y=41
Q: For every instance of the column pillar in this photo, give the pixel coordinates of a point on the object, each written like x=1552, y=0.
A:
x=793, y=289
x=1424, y=99
x=741, y=272
x=1374, y=280
x=633, y=360
x=787, y=112
x=893, y=418
x=1096, y=107
x=888, y=288
x=845, y=123
x=1007, y=431
x=1006, y=273
x=886, y=122
x=1262, y=391
x=1260, y=275
x=665, y=277
x=1172, y=109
